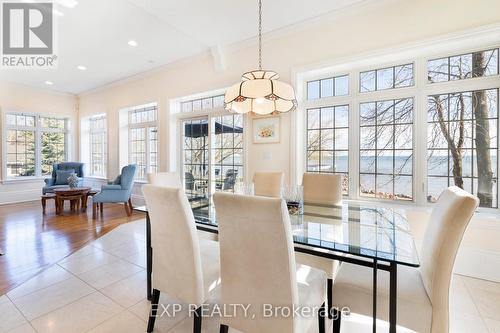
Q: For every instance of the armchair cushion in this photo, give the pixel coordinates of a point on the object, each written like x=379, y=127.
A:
x=49, y=181
x=63, y=175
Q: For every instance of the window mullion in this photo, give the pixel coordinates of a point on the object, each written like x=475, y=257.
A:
x=38, y=147
x=354, y=135
x=420, y=133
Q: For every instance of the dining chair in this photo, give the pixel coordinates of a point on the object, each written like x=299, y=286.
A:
x=184, y=266
x=324, y=189
x=168, y=179
x=258, y=267
x=268, y=184
x=422, y=293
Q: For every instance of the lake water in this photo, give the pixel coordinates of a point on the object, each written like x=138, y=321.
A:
x=437, y=166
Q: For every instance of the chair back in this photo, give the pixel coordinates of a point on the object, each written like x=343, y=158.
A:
x=77, y=166
x=127, y=177
x=322, y=188
x=177, y=266
x=447, y=224
x=165, y=179
x=188, y=181
x=257, y=259
x=268, y=184
x=230, y=179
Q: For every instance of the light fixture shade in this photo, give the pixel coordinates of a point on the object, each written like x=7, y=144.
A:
x=260, y=92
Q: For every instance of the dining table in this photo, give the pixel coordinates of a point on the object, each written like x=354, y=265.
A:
x=365, y=234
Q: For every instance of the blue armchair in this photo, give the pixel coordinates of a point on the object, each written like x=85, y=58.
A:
x=52, y=183
x=118, y=191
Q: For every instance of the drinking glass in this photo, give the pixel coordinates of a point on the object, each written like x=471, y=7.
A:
x=243, y=188
x=294, y=197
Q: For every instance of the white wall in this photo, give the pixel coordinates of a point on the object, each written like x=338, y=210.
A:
x=19, y=98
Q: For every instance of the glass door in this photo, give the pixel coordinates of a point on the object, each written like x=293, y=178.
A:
x=195, y=157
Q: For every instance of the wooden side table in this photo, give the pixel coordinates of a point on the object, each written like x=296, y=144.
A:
x=48, y=196
x=77, y=196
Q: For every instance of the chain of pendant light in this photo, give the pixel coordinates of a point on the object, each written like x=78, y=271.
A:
x=260, y=34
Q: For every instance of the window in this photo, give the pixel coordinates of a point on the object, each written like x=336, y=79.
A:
x=98, y=146
x=206, y=103
x=464, y=66
x=386, y=149
x=334, y=86
x=20, y=153
x=408, y=144
x=195, y=158
x=462, y=144
x=34, y=143
x=327, y=141
x=386, y=78
x=143, y=140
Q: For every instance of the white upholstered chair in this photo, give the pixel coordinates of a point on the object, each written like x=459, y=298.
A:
x=268, y=184
x=423, y=294
x=184, y=267
x=166, y=179
x=322, y=188
x=258, y=266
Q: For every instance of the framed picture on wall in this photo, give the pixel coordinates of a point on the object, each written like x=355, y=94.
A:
x=266, y=130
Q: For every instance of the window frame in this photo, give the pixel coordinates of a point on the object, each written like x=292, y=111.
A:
x=38, y=130
x=420, y=91
x=147, y=125
x=104, y=145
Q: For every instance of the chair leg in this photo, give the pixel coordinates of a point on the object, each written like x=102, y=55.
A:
x=94, y=210
x=337, y=316
x=130, y=205
x=197, y=320
x=329, y=288
x=321, y=318
x=224, y=328
x=101, y=207
x=125, y=205
x=154, y=310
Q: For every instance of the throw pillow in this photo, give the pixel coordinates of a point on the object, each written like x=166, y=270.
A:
x=118, y=180
x=62, y=176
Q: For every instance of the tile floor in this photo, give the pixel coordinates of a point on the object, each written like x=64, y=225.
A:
x=101, y=288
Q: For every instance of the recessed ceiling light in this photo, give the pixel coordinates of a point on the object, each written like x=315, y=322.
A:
x=82, y=68
x=132, y=43
x=49, y=83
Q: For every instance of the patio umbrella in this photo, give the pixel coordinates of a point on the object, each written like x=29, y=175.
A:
x=198, y=129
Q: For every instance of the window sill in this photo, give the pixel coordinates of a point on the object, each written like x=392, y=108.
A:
x=96, y=178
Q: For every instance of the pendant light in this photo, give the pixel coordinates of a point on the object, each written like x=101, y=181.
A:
x=260, y=91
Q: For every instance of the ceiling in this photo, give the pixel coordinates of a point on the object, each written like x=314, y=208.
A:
x=95, y=34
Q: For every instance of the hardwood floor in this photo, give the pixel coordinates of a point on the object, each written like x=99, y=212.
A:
x=31, y=241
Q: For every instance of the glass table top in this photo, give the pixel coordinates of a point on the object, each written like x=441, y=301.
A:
x=358, y=229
